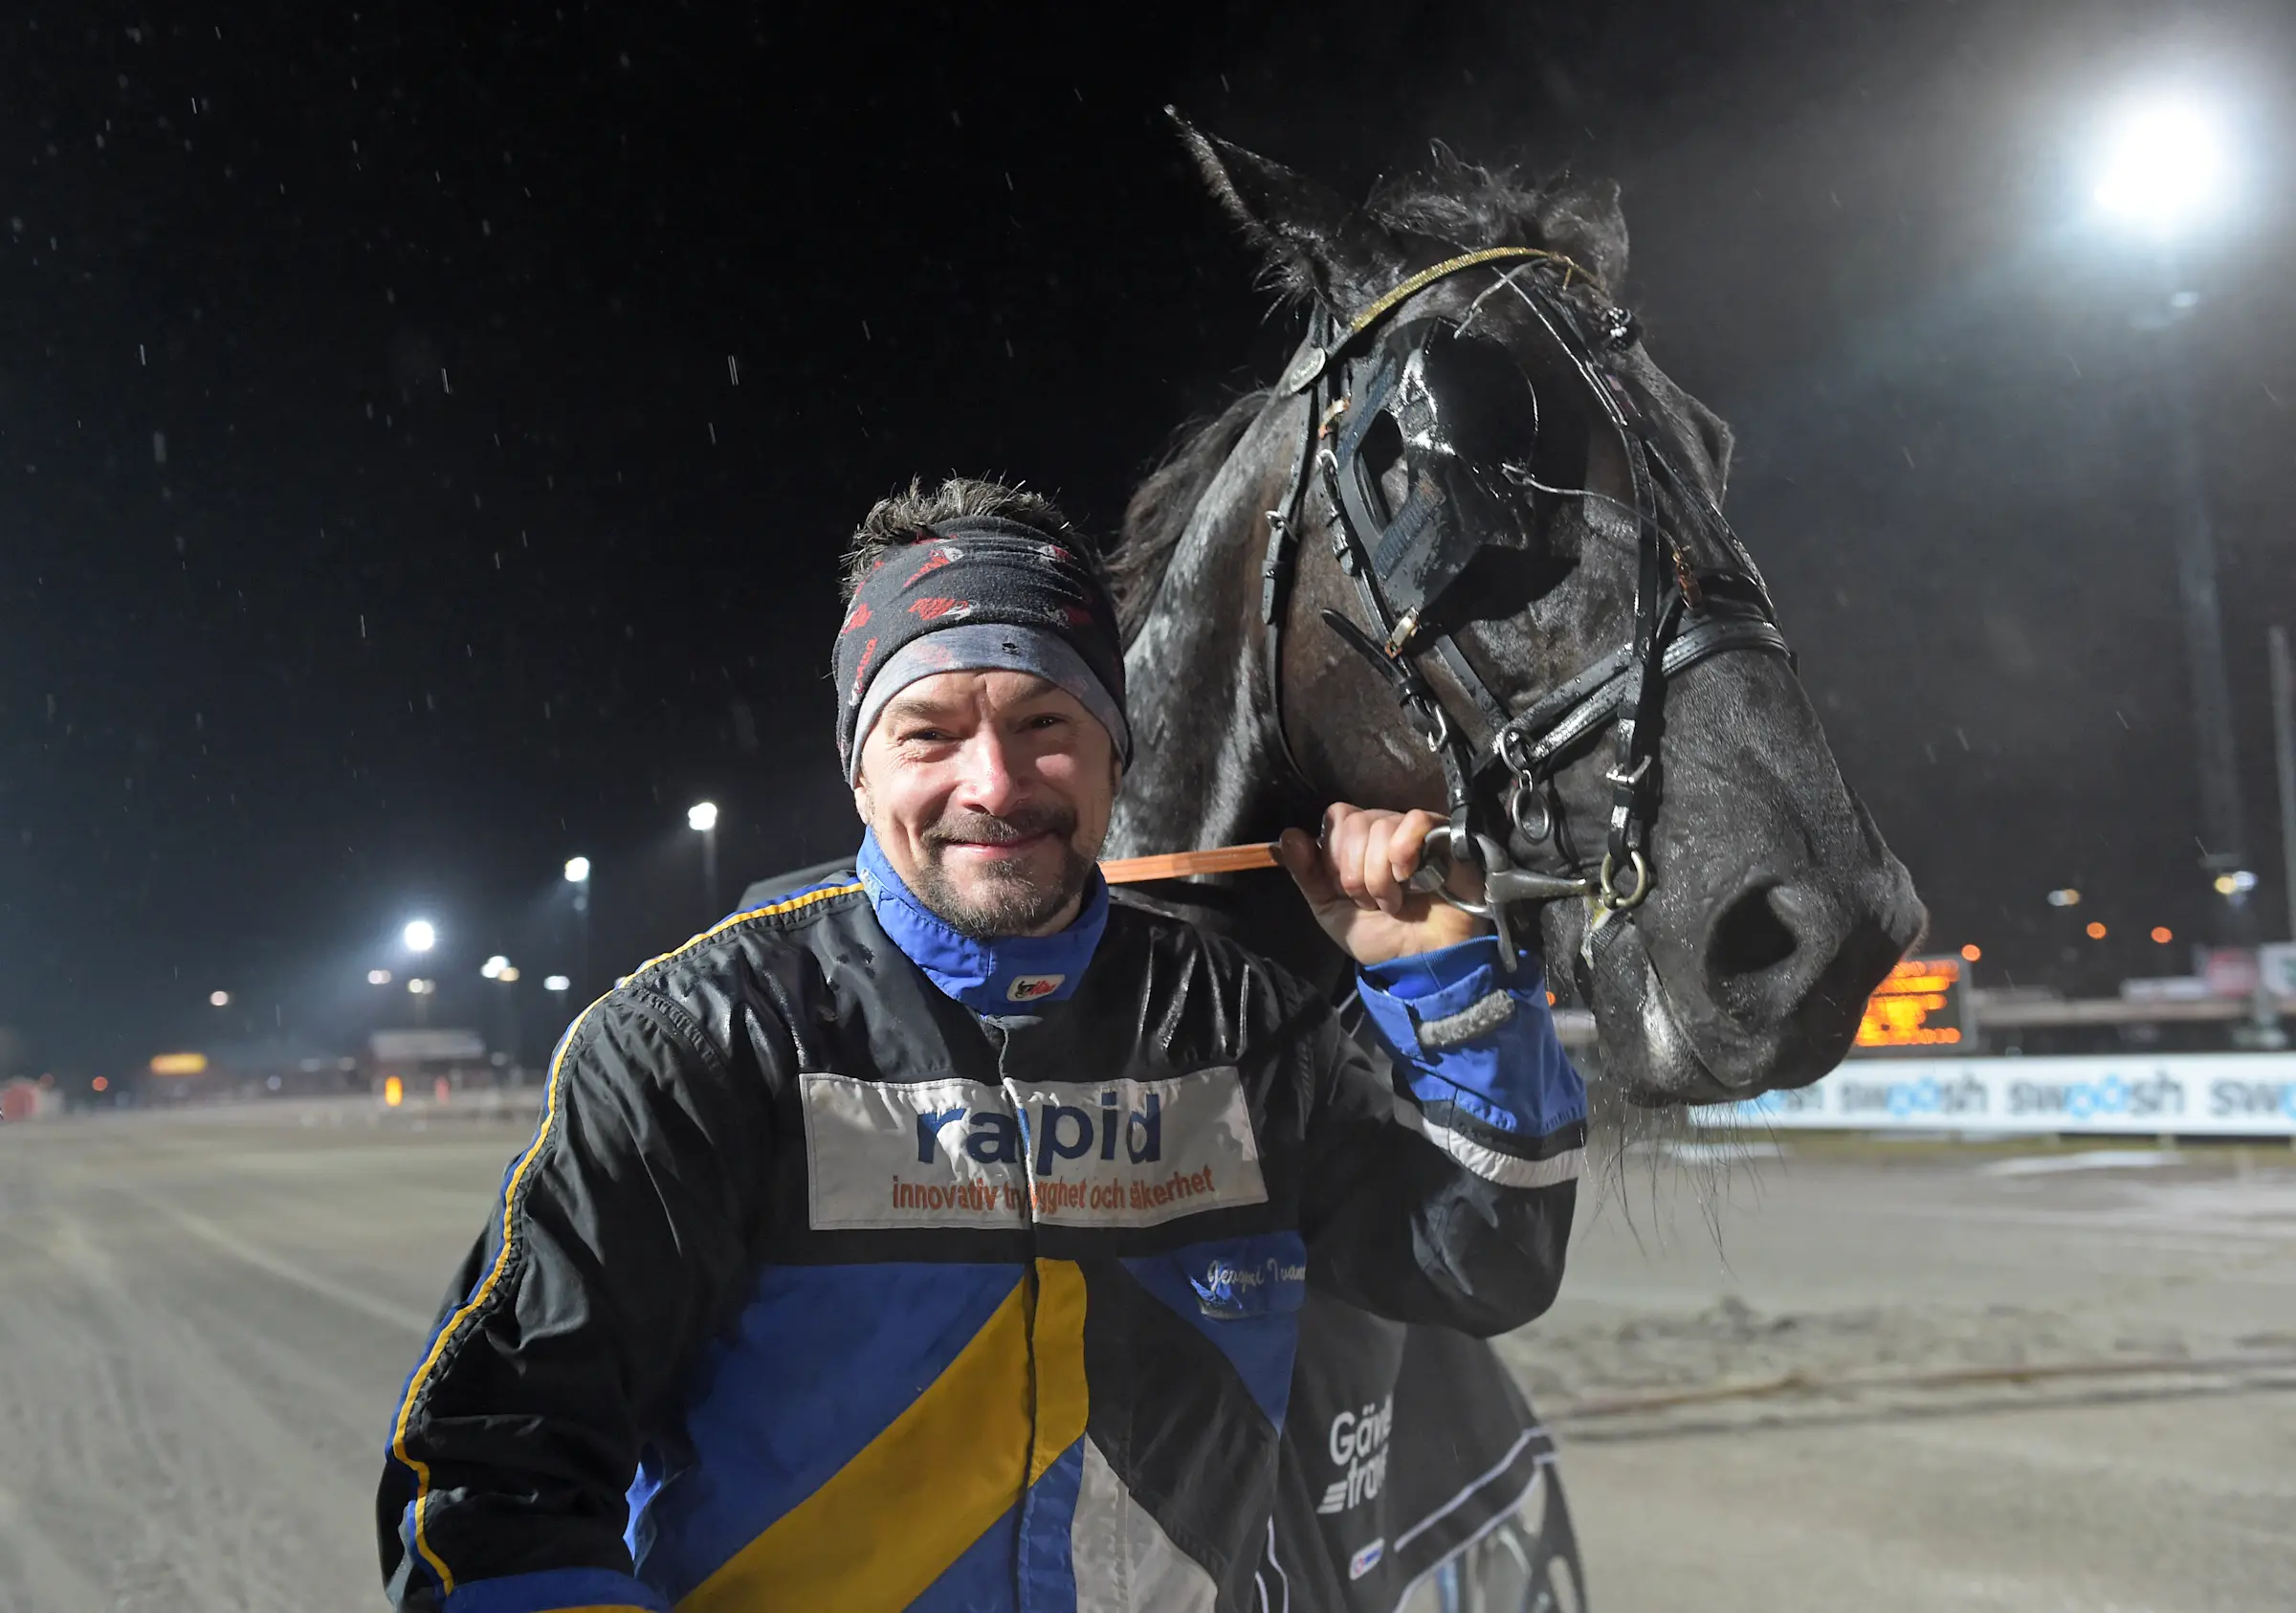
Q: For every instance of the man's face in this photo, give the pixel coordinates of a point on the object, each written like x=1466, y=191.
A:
x=989, y=794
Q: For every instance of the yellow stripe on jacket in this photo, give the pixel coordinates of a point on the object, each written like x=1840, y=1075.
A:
x=886, y=1524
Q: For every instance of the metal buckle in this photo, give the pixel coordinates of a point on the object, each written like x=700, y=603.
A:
x=1615, y=777
x=1441, y=733
x=1399, y=640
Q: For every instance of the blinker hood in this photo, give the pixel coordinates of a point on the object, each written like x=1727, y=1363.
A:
x=1463, y=423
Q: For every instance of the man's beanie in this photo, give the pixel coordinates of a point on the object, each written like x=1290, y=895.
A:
x=978, y=593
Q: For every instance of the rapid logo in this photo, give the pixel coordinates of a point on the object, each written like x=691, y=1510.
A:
x=1366, y=1560
x=1027, y=988
x=1083, y=1153
x=1358, y=1447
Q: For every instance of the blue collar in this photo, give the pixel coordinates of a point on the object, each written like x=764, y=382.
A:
x=989, y=977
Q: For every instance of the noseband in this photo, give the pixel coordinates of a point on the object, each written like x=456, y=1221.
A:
x=1400, y=562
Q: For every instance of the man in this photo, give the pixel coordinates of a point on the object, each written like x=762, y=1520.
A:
x=934, y=1238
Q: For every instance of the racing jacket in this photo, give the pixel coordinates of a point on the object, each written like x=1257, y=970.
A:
x=857, y=1265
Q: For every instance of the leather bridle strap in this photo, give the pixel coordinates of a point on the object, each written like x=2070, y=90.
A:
x=1585, y=704
x=1283, y=554
x=1674, y=625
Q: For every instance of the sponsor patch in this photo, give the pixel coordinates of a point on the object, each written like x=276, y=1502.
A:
x=1074, y=1153
x=1027, y=988
x=1357, y=1443
x=1366, y=1560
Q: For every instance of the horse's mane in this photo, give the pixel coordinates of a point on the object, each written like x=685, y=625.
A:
x=1158, y=512
x=1460, y=204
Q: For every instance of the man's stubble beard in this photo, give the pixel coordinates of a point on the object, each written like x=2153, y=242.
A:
x=1016, y=901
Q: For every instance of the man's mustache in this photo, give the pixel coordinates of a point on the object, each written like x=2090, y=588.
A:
x=988, y=828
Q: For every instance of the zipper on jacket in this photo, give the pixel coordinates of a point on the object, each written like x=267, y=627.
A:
x=1031, y=1291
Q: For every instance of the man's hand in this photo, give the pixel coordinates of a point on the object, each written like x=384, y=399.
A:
x=1356, y=881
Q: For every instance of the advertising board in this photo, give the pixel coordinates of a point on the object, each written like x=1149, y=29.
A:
x=427, y=1046
x=2225, y=1095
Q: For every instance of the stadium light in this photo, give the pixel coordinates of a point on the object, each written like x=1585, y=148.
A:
x=578, y=870
x=2066, y=898
x=2165, y=166
x=555, y=983
x=420, y=935
x=702, y=816
x=507, y=974
x=221, y=999
x=378, y=977
x=494, y=966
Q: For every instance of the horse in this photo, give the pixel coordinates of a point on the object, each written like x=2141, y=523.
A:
x=1468, y=554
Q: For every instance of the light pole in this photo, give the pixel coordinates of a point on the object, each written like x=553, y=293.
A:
x=702, y=818
x=2166, y=173
x=577, y=875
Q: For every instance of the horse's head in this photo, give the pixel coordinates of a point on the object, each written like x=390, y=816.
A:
x=1467, y=465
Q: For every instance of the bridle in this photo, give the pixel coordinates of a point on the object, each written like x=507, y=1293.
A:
x=1683, y=614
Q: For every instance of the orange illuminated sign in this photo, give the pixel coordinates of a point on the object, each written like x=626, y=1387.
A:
x=1919, y=1005
x=180, y=1064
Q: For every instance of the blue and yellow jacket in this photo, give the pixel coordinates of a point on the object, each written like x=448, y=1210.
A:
x=859, y=1266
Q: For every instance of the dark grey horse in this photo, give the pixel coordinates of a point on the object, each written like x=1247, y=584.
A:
x=1773, y=906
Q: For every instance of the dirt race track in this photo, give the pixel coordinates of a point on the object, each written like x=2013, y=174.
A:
x=1909, y=1377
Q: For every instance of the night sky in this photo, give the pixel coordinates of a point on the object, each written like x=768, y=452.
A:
x=427, y=432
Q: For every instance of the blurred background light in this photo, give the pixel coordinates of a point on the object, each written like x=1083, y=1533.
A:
x=2165, y=166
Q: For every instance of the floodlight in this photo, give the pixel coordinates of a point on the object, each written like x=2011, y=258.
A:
x=702, y=815
x=2165, y=166
x=578, y=870
x=420, y=935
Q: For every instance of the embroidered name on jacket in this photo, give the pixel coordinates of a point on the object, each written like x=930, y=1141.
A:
x=1077, y=1152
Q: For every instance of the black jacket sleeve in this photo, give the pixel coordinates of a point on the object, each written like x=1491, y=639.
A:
x=1444, y=1147
x=616, y=1241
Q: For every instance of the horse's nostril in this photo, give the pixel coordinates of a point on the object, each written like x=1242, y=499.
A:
x=1750, y=937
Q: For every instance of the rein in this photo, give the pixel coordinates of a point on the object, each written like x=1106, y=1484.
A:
x=1682, y=614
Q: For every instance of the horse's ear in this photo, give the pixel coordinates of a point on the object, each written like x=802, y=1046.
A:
x=1315, y=242
x=1586, y=222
